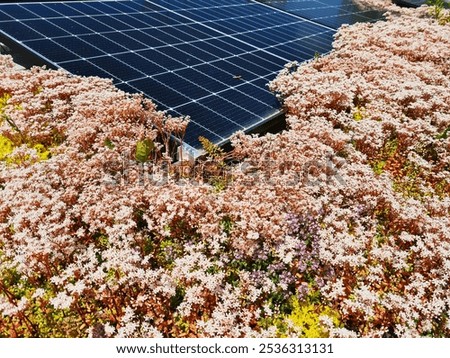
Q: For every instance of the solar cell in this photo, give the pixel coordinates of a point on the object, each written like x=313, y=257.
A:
x=208, y=59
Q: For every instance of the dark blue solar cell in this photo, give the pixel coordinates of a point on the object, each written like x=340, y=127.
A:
x=179, y=32
x=158, y=57
x=324, y=12
x=122, y=6
x=117, y=68
x=182, y=85
x=195, y=130
x=102, y=43
x=221, y=13
x=93, y=24
x=113, y=23
x=81, y=48
x=235, y=71
x=121, y=38
x=281, y=18
x=18, y=12
x=175, y=18
x=201, y=79
x=166, y=96
x=103, y=7
x=19, y=31
x=218, y=74
x=275, y=35
x=203, y=31
x=212, y=47
x=131, y=20
x=335, y=21
x=71, y=26
x=320, y=43
x=224, y=27
x=249, y=66
x=265, y=59
x=4, y=16
x=254, y=22
x=160, y=35
x=195, y=51
x=140, y=6
x=46, y=28
x=85, y=68
x=42, y=10
x=260, y=92
x=63, y=9
x=140, y=63
x=258, y=41
x=55, y=52
x=216, y=122
x=164, y=18
x=173, y=4
x=200, y=15
x=146, y=19
x=127, y=88
x=293, y=52
x=146, y=39
x=84, y=9
x=236, y=44
x=185, y=58
x=239, y=117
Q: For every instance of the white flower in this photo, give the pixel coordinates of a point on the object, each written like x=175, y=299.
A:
x=61, y=301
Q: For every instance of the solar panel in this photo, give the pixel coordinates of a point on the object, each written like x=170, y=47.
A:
x=208, y=59
x=333, y=13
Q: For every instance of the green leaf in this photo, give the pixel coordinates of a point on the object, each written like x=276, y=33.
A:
x=444, y=134
x=143, y=149
x=108, y=143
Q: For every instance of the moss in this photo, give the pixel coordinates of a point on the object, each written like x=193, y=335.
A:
x=4, y=98
x=359, y=113
x=303, y=318
x=388, y=151
x=306, y=318
x=6, y=147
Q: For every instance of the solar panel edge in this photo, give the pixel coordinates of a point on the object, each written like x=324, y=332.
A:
x=18, y=48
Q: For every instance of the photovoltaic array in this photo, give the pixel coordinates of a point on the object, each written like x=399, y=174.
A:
x=208, y=59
